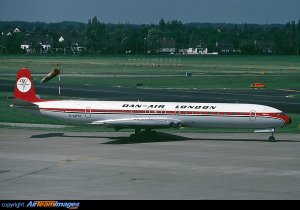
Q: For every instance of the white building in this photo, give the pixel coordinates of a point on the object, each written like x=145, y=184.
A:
x=46, y=47
x=26, y=47
x=197, y=51
x=17, y=30
x=61, y=39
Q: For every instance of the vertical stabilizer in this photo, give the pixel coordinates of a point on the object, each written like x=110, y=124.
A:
x=24, y=88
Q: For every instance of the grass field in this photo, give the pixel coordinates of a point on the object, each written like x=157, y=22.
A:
x=208, y=71
x=154, y=64
x=231, y=72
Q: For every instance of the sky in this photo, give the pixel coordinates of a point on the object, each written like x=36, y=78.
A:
x=151, y=11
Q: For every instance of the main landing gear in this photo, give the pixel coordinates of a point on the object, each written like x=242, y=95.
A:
x=146, y=132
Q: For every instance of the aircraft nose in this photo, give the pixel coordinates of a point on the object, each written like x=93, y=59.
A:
x=288, y=120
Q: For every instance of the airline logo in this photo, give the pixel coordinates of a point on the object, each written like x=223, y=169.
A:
x=143, y=106
x=195, y=107
x=24, y=84
x=161, y=106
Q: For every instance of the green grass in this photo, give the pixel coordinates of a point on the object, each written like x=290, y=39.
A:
x=163, y=64
x=198, y=82
x=228, y=71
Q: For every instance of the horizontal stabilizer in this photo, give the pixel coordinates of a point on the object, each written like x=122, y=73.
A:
x=19, y=103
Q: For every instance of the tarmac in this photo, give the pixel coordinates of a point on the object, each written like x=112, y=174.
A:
x=38, y=164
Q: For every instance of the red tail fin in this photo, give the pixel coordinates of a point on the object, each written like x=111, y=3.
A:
x=24, y=87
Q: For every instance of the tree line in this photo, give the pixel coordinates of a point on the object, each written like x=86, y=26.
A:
x=96, y=37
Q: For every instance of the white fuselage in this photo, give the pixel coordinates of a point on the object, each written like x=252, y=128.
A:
x=212, y=115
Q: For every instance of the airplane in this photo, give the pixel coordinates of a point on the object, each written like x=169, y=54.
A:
x=149, y=115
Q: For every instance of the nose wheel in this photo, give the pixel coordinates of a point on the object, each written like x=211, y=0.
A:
x=272, y=138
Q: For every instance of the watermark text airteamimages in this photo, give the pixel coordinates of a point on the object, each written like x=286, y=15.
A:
x=41, y=204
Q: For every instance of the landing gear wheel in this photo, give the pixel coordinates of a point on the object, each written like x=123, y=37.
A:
x=272, y=139
x=137, y=131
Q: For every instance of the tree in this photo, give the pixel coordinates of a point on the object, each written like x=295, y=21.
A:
x=248, y=47
x=95, y=33
x=162, y=24
x=298, y=37
x=13, y=44
x=98, y=37
x=152, y=39
x=291, y=37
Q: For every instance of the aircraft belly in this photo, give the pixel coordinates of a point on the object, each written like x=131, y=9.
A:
x=231, y=122
x=68, y=117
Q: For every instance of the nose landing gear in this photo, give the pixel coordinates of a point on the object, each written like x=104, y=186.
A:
x=272, y=138
x=271, y=130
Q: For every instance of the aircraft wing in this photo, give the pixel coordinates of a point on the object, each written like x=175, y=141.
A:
x=141, y=122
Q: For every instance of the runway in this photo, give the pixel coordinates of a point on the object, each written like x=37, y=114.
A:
x=49, y=165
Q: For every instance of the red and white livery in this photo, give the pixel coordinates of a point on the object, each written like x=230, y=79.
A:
x=149, y=115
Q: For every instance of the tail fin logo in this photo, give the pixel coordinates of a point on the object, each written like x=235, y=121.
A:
x=24, y=84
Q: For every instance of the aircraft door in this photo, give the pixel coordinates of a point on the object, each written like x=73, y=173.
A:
x=147, y=111
x=177, y=111
x=88, y=112
x=252, y=116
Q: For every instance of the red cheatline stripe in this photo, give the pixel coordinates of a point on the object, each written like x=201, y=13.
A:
x=164, y=112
